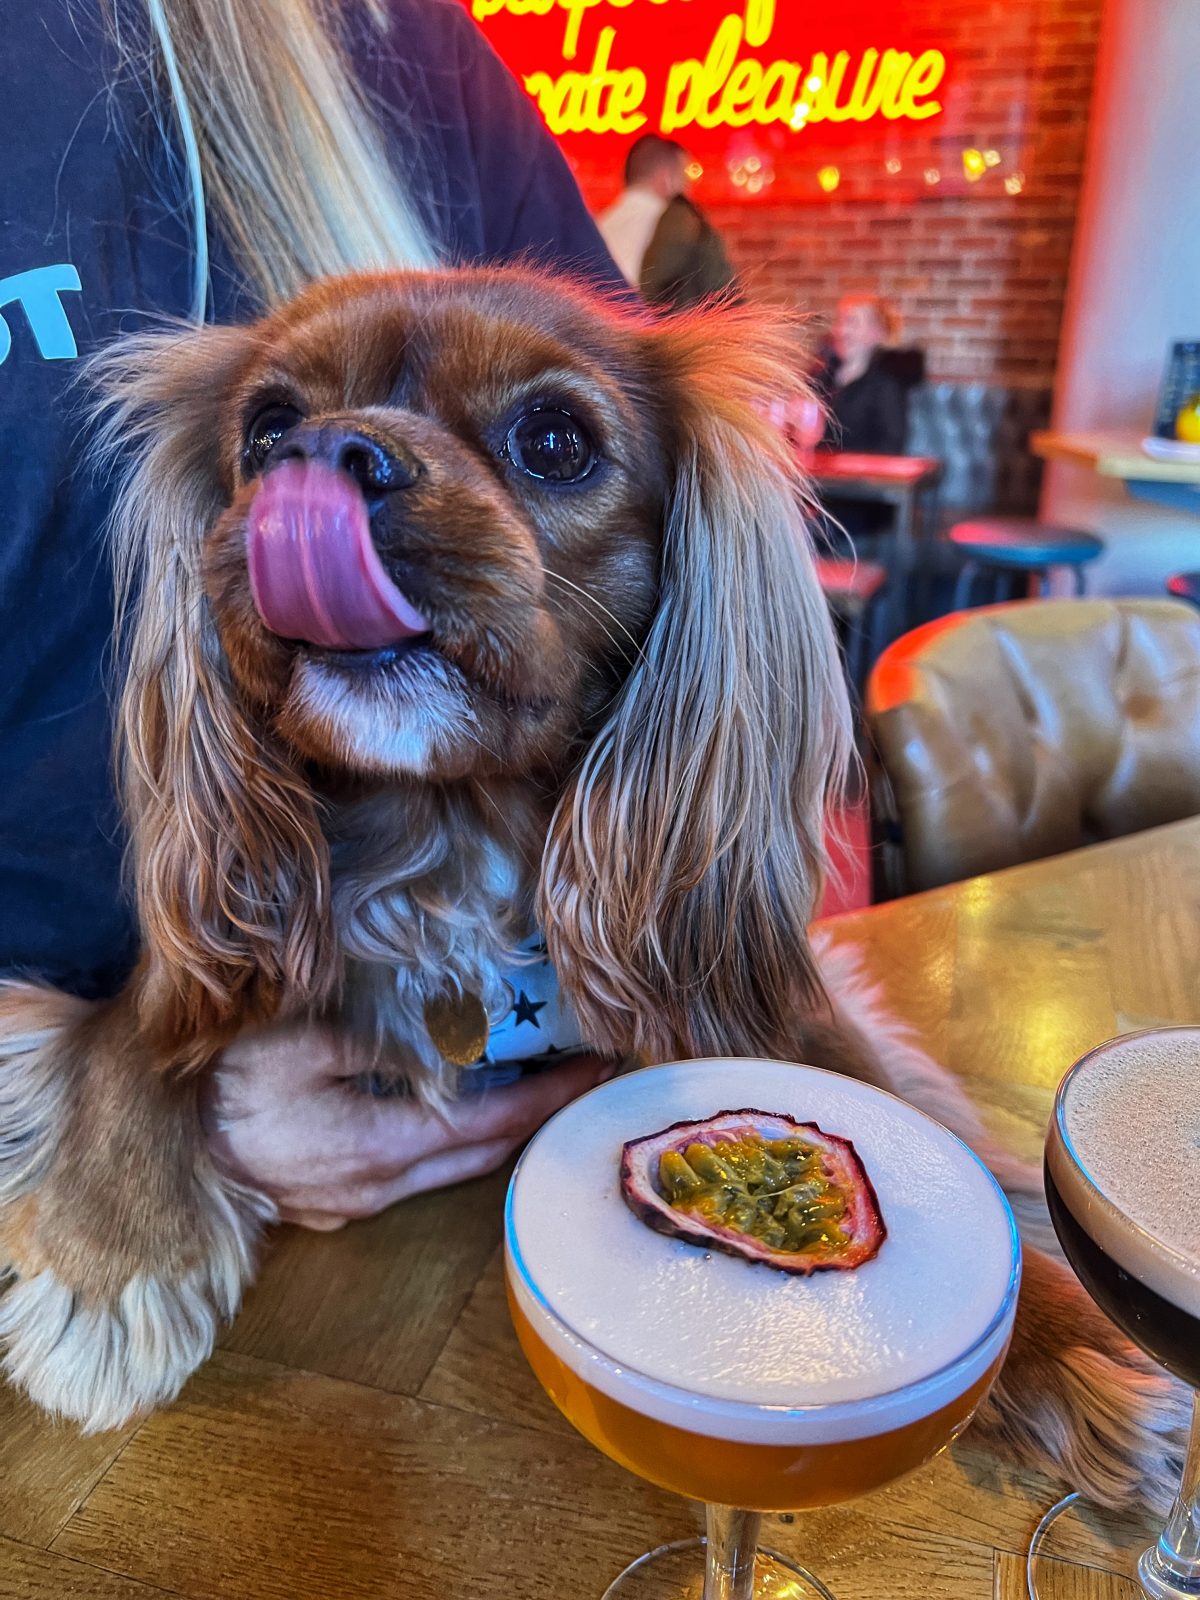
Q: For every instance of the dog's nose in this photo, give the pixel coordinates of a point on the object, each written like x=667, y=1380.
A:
x=376, y=468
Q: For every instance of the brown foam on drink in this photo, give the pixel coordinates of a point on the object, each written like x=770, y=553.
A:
x=1131, y=1113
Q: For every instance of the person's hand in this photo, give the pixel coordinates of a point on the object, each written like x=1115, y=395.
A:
x=282, y=1113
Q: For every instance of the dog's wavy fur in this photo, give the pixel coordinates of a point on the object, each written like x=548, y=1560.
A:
x=638, y=755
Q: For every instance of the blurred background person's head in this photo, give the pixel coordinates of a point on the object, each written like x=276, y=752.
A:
x=862, y=324
x=658, y=165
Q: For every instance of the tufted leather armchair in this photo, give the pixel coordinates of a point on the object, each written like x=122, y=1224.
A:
x=980, y=433
x=1013, y=732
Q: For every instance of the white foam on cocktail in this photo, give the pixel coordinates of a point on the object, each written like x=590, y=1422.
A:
x=1130, y=1113
x=737, y=1350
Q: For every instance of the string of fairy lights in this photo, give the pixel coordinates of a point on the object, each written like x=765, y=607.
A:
x=754, y=174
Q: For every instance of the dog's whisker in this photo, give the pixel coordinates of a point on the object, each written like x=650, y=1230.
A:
x=504, y=821
x=602, y=609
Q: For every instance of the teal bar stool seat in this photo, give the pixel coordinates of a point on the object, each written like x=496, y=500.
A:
x=1185, y=586
x=1000, y=548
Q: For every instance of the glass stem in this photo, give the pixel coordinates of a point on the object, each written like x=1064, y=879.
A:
x=732, y=1541
x=1172, y=1566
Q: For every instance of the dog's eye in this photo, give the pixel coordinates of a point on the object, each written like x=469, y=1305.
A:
x=550, y=445
x=265, y=432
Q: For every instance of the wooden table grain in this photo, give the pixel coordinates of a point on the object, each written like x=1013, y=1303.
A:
x=369, y=1431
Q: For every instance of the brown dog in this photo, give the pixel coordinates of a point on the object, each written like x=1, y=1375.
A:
x=457, y=604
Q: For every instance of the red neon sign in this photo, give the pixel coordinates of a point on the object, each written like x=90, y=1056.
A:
x=737, y=79
x=787, y=100
x=771, y=96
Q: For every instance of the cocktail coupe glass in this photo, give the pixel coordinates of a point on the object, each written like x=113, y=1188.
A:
x=1123, y=1187
x=725, y=1381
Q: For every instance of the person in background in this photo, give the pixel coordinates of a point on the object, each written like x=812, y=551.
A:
x=658, y=236
x=864, y=385
x=201, y=161
x=866, y=400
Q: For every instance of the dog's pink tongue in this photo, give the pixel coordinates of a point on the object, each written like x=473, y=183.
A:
x=314, y=572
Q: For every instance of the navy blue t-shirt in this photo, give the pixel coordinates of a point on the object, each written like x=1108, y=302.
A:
x=95, y=239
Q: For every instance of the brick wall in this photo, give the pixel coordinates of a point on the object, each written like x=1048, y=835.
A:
x=978, y=276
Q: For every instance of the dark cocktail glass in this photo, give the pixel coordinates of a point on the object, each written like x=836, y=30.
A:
x=1123, y=1186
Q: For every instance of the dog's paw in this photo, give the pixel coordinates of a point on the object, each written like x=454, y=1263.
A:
x=1078, y=1401
x=103, y=1361
x=101, y=1366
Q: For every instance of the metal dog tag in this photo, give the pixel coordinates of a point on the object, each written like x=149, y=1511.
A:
x=458, y=1025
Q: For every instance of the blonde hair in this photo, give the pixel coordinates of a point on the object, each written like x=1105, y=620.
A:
x=886, y=315
x=279, y=140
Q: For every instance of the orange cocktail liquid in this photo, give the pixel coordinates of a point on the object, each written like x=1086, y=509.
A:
x=756, y=1477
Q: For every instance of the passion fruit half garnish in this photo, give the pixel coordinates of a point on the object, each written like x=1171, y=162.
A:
x=759, y=1185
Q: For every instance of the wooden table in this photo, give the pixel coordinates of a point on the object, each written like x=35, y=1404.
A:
x=898, y=481
x=369, y=1430
x=1120, y=455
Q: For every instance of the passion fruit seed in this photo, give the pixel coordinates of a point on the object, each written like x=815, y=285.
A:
x=756, y=1184
x=773, y=1190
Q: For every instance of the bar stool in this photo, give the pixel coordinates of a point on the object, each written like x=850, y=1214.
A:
x=854, y=590
x=1010, y=545
x=1185, y=586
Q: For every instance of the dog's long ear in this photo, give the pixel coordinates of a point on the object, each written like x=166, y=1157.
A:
x=685, y=860
x=228, y=859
